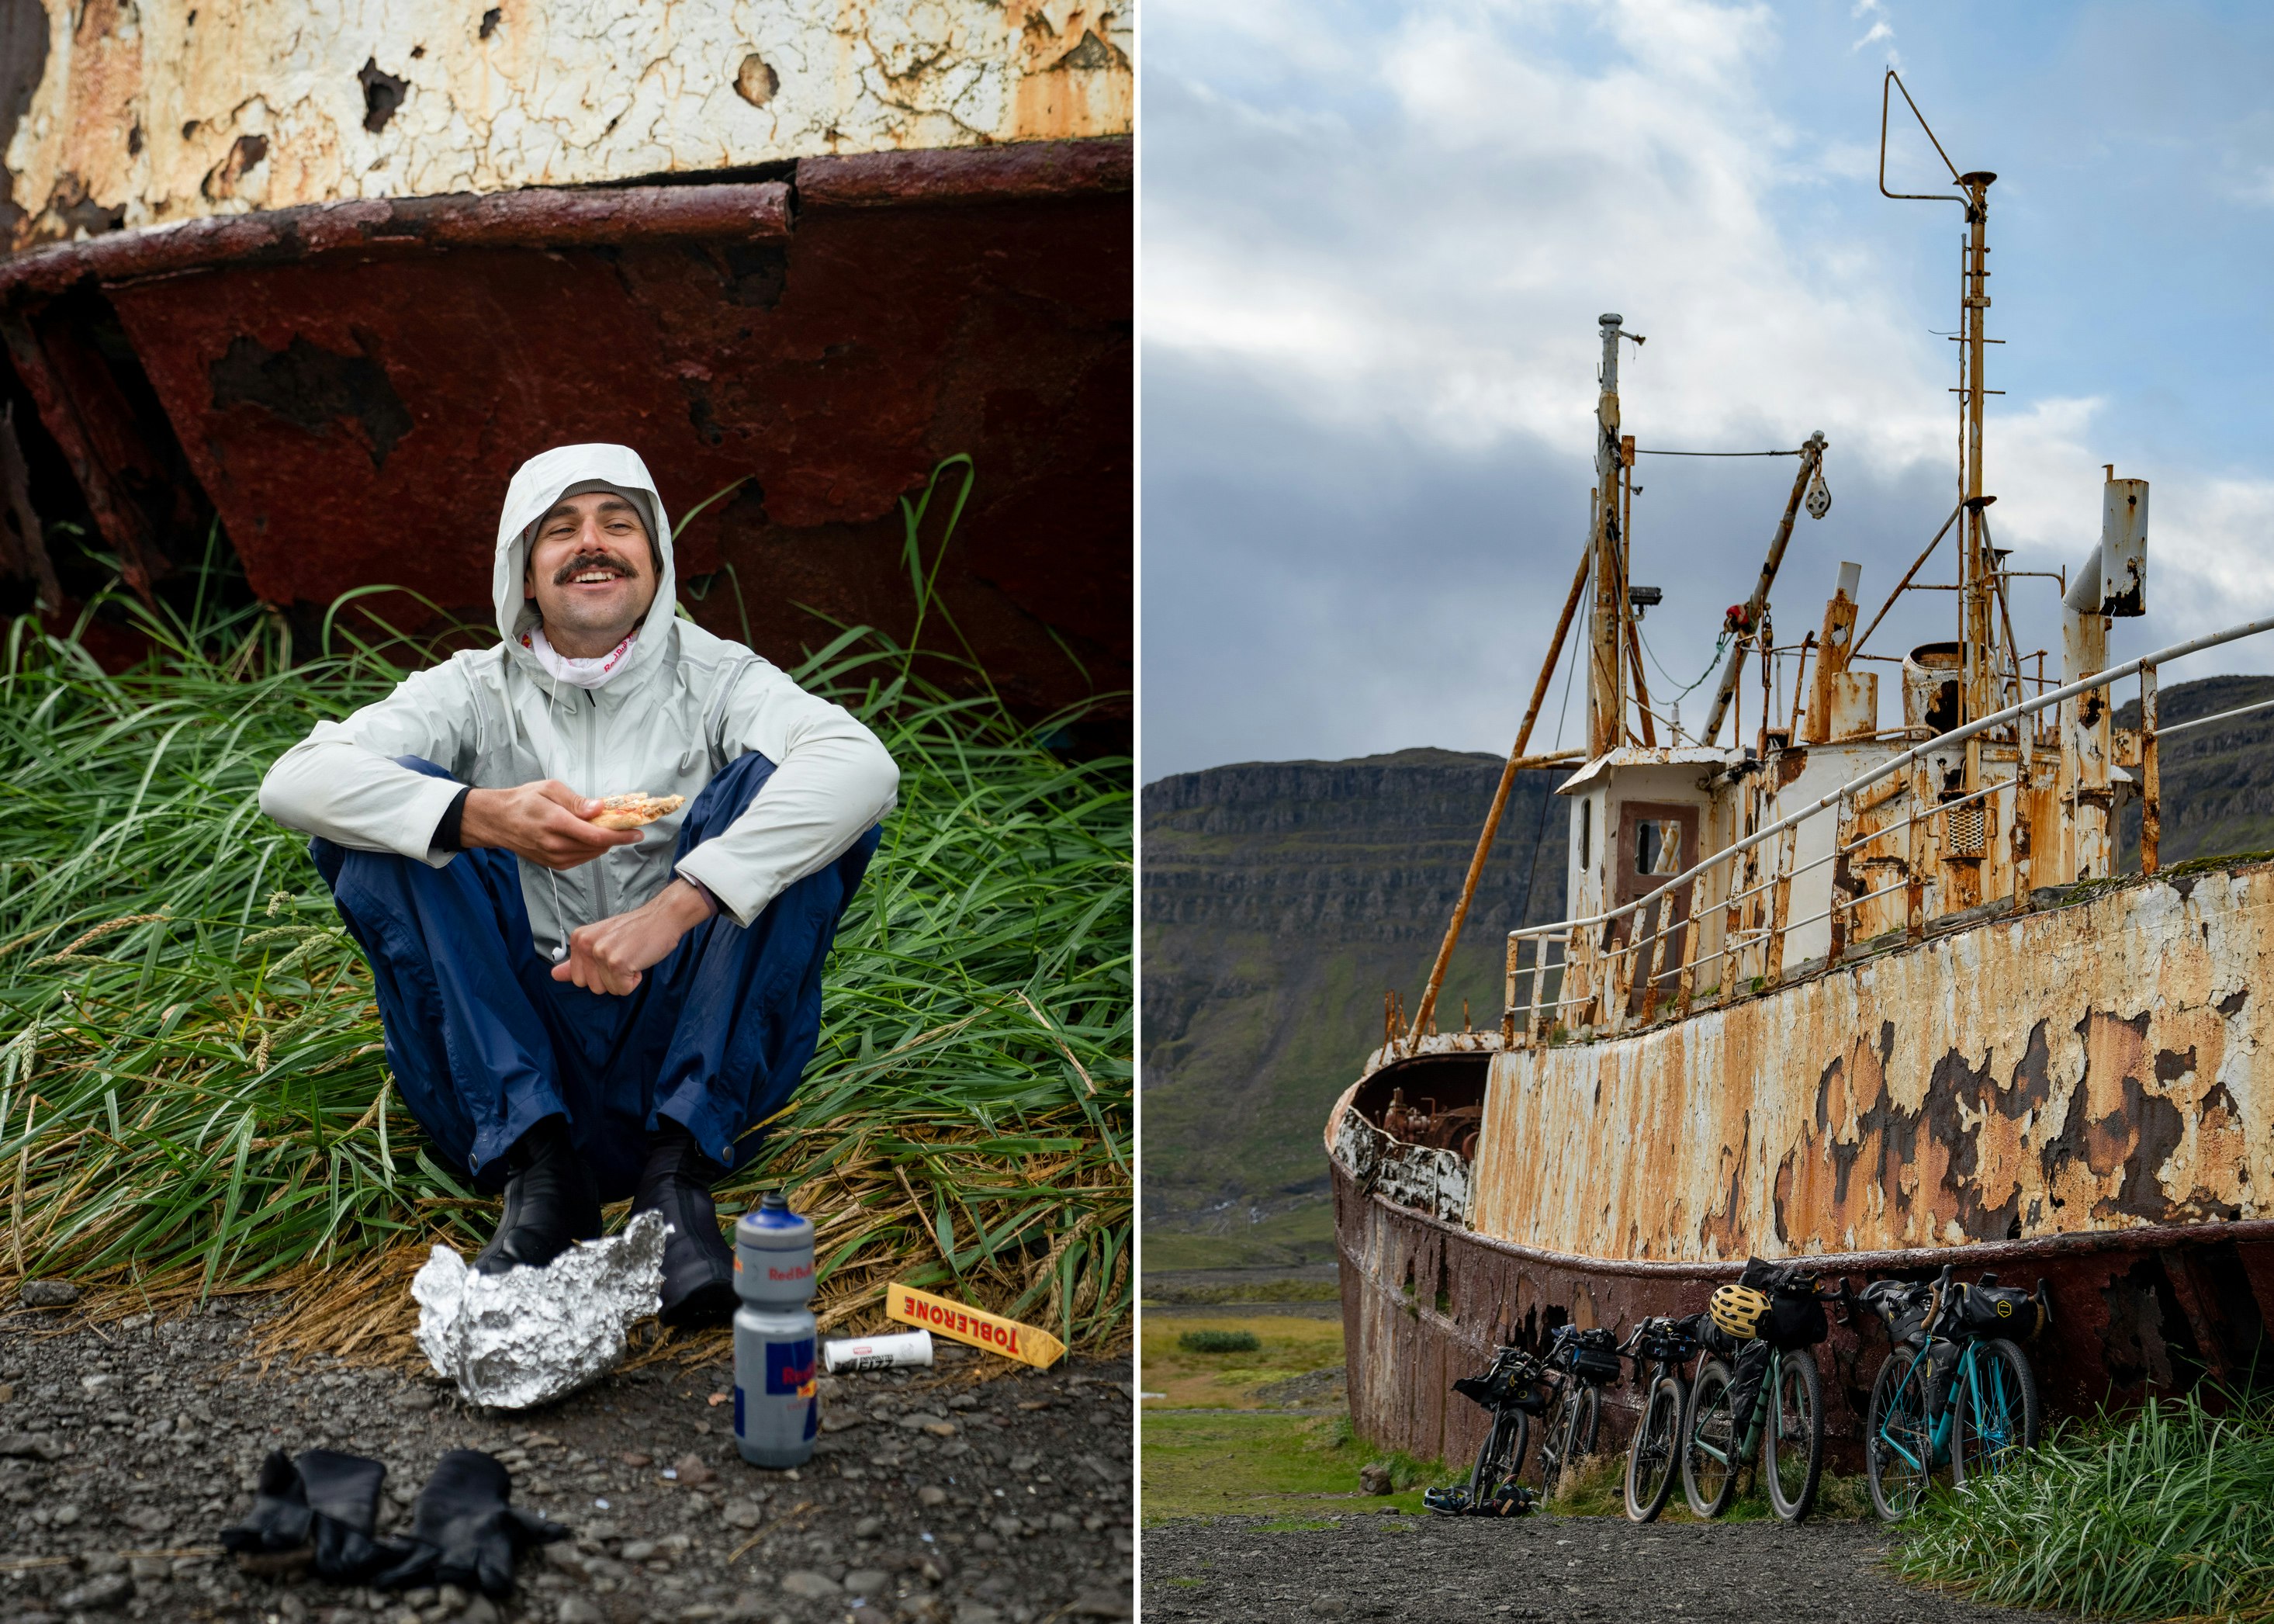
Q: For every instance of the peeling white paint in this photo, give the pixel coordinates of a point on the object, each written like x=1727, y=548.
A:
x=557, y=95
x=1571, y=1157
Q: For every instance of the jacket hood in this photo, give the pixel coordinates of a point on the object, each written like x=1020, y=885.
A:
x=536, y=485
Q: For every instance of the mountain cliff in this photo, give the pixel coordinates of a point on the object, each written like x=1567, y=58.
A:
x=2218, y=779
x=1282, y=898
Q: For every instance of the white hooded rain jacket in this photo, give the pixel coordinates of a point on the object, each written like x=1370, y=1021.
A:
x=684, y=705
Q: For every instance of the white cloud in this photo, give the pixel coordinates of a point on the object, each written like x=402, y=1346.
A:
x=2256, y=188
x=1880, y=29
x=1420, y=256
x=1518, y=196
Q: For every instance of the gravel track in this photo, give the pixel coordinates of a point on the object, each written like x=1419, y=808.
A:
x=937, y=1496
x=1572, y=1570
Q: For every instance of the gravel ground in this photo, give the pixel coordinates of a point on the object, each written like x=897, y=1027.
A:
x=1569, y=1569
x=937, y=1496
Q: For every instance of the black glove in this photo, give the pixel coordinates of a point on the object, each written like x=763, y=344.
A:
x=324, y=1498
x=342, y=1492
x=463, y=1533
x=279, y=1518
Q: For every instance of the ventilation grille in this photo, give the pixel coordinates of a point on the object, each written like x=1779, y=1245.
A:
x=1963, y=837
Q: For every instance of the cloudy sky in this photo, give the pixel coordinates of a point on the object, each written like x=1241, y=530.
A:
x=1376, y=239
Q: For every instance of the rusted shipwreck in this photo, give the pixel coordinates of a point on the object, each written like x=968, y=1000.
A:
x=1875, y=995
x=330, y=280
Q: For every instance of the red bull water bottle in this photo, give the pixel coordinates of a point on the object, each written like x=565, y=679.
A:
x=777, y=1406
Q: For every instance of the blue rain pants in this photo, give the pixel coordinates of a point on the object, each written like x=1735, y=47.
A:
x=484, y=1044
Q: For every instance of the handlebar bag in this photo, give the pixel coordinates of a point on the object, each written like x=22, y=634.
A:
x=1673, y=1340
x=1905, y=1308
x=1795, y=1321
x=1719, y=1342
x=1596, y=1357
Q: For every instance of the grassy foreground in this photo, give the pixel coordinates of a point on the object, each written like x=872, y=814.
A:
x=192, y=1094
x=2165, y=1514
x=1213, y=1448
x=1213, y=1463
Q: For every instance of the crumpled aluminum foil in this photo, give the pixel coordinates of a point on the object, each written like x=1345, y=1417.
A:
x=530, y=1335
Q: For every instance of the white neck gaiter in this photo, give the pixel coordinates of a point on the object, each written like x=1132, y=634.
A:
x=568, y=669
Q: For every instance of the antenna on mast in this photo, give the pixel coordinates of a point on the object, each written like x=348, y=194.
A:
x=1978, y=582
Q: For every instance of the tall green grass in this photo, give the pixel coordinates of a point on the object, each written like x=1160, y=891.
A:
x=192, y=1093
x=2166, y=1513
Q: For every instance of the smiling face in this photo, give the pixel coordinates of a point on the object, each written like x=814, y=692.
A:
x=593, y=569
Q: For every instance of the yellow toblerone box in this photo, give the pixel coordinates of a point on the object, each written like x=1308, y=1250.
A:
x=975, y=1326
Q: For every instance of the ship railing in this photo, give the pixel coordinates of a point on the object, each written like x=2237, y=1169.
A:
x=1629, y=979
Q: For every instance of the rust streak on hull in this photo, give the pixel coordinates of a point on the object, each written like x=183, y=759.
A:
x=2088, y=1066
x=2070, y=1094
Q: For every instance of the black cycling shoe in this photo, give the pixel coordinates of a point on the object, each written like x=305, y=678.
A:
x=698, y=1265
x=550, y=1201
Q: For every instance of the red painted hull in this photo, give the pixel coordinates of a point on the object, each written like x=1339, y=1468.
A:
x=350, y=387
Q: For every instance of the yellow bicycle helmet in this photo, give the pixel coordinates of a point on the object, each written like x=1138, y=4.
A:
x=1738, y=1310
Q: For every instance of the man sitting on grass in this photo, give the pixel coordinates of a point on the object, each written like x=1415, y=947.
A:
x=582, y=1013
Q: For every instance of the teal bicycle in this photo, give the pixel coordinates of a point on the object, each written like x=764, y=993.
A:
x=1956, y=1399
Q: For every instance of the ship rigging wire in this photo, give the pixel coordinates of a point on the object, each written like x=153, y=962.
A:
x=1712, y=664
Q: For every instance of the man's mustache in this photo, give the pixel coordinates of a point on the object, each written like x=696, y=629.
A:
x=583, y=561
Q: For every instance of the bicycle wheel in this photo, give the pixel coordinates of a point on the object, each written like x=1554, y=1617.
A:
x=1650, y=1452
x=1552, y=1442
x=1898, y=1438
x=1709, y=1443
x=1500, y=1457
x=1792, y=1446
x=1996, y=1398
x=1575, y=1434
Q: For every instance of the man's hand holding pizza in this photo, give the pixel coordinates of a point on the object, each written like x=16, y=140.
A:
x=553, y=827
x=546, y=822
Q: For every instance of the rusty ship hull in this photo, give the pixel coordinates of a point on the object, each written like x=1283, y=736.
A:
x=2066, y=1093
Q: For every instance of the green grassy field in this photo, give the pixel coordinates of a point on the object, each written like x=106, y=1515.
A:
x=1287, y=1346
x=1213, y=1448
x=1304, y=1233
x=1211, y=1464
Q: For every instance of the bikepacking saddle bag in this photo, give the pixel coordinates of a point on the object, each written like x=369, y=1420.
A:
x=1999, y=1310
x=1796, y=1319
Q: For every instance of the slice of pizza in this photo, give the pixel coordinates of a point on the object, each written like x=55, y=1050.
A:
x=635, y=811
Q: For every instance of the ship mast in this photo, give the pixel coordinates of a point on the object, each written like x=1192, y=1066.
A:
x=1979, y=583
x=1979, y=563
x=1608, y=632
